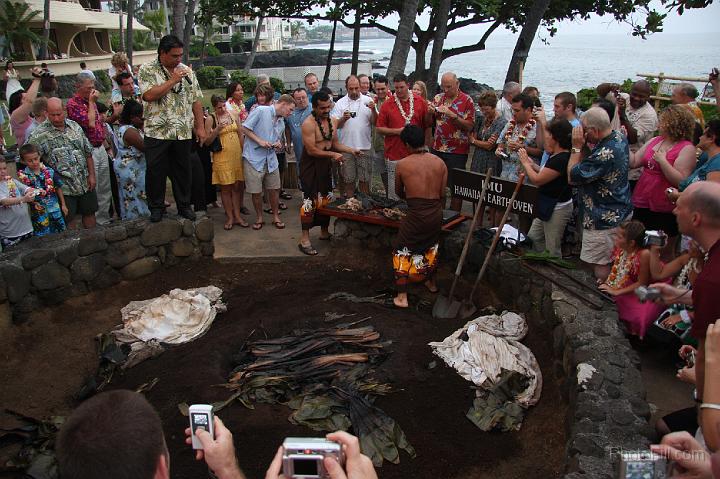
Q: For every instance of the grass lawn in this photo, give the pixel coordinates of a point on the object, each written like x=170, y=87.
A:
x=105, y=97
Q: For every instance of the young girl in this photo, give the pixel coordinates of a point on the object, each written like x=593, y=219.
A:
x=49, y=207
x=631, y=269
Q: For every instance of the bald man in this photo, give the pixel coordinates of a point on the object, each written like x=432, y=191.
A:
x=64, y=147
x=454, y=115
x=698, y=216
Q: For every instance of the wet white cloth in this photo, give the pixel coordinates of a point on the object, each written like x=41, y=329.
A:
x=510, y=236
x=492, y=344
x=178, y=317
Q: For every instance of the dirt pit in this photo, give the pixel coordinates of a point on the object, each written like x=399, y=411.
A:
x=45, y=361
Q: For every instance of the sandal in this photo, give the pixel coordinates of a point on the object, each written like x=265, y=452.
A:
x=282, y=206
x=325, y=238
x=286, y=196
x=270, y=210
x=244, y=210
x=228, y=226
x=258, y=226
x=308, y=250
x=242, y=224
x=279, y=225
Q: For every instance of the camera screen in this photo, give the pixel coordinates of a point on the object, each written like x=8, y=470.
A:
x=200, y=420
x=305, y=467
x=640, y=470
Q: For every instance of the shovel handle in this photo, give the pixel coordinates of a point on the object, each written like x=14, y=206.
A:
x=490, y=252
x=466, y=246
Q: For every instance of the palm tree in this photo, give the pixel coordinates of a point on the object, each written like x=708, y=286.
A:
x=129, y=31
x=143, y=41
x=403, y=39
x=155, y=21
x=256, y=41
x=44, y=54
x=15, y=19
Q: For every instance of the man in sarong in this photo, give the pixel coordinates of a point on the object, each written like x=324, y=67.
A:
x=420, y=178
x=320, y=148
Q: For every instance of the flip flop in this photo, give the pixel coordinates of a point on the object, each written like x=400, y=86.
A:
x=286, y=196
x=279, y=225
x=244, y=211
x=270, y=211
x=258, y=226
x=244, y=224
x=228, y=226
x=325, y=238
x=282, y=206
x=308, y=250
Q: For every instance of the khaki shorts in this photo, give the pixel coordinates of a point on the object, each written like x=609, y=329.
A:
x=256, y=180
x=357, y=168
x=597, y=246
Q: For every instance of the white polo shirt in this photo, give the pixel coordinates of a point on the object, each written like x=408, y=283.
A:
x=356, y=132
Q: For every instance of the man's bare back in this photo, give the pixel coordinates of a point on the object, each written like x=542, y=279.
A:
x=421, y=175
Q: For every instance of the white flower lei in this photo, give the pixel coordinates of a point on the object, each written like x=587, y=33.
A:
x=412, y=108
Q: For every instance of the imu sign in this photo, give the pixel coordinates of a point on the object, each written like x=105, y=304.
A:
x=468, y=186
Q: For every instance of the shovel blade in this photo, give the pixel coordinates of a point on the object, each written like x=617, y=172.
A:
x=445, y=308
x=467, y=309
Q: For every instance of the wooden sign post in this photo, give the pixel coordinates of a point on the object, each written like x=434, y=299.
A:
x=468, y=185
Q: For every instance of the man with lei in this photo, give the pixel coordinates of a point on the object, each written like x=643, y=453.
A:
x=520, y=132
x=320, y=148
x=407, y=108
x=49, y=207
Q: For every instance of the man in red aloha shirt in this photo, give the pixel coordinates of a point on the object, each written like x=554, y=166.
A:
x=402, y=109
x=454, y=114
x=82, y=109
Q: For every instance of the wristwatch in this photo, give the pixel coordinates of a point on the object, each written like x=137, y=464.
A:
x=576, y=150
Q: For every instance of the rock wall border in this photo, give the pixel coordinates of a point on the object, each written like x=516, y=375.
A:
x=49, y=270
x=608, y=411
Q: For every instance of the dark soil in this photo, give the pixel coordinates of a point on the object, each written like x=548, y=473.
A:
x=45, y=361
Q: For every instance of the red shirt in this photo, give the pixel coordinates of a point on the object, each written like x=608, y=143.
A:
x=449, y=137
x=77, y=111
x=704, y=293
x=390, y=117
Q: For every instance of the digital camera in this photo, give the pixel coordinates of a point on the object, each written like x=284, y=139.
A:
x=646, y=294
x=303, y=457
x=655, y=238
x=642, y=465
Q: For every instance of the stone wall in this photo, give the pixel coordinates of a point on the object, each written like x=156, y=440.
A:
x=49, y=270
x=607, y=411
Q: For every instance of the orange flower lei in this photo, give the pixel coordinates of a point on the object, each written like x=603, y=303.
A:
x=523, y=134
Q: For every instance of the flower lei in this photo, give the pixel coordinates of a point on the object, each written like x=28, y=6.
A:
x=407, y=118
x=45, y=177
x=325, y=137
x=12, y=189
x=620, y=269
x=523, y=134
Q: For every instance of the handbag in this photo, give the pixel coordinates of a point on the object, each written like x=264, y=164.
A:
x=215, y=146
x=545, y=206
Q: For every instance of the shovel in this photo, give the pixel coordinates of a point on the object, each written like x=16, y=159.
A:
x=468, y=308
x=447, y=307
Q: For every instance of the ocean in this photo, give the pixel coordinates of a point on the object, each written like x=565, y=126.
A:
x=570, y=62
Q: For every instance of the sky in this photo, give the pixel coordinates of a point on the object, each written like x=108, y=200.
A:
x=692, y=21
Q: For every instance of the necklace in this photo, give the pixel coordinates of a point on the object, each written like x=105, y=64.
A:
x=621, y=268
x=512, y=124
x=12, y=189
x=407, y=118
x=325, y=137
x=43, y=175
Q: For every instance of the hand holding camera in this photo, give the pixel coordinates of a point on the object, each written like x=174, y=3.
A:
x=689, y=458
x=655, y=238
x=212, y=442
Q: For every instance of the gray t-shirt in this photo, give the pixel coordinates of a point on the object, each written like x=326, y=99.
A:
x=15, y=219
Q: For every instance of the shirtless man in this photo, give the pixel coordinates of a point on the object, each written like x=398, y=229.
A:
x=420, y=178
x=320, y=148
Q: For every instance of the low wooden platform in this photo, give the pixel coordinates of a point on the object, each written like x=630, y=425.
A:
x=380, y=219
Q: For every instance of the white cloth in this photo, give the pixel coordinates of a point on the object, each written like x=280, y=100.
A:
x=356, y=132
x=103, y=189
x=493, y=344
x=510, y=236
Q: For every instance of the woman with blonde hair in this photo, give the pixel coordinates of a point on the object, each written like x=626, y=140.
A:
x=667, y=159
x=420, y=88
x=227, y=168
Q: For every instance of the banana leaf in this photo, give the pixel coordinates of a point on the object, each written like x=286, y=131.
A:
x=496, y=407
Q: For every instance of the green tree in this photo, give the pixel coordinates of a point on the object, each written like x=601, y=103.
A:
x=15, y=19
x=155, y=21
x=143, y=40
x=237, y=42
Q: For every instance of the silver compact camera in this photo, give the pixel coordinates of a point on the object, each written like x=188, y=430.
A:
x=655, y=238
x=646, y=294
x=642, y=465
x=303, y=457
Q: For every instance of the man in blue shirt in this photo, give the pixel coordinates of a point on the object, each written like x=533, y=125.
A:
x=602, y=181
x=294, y=123
x=263, y=130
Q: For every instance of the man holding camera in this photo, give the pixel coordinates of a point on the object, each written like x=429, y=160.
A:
x=171, y=100
x=355, y=114
x=119, y=435
x=698, y=216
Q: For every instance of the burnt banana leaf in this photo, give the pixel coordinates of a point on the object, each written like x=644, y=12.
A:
x=496, y=408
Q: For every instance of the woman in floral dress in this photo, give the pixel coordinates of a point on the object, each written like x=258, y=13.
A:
x=129, y=164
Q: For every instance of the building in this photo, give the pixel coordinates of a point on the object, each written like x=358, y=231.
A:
x=79, y=31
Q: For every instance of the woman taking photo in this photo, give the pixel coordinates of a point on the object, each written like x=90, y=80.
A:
x=554, y=202
x=666, y=159
x=227, y=169
x=129, y=164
